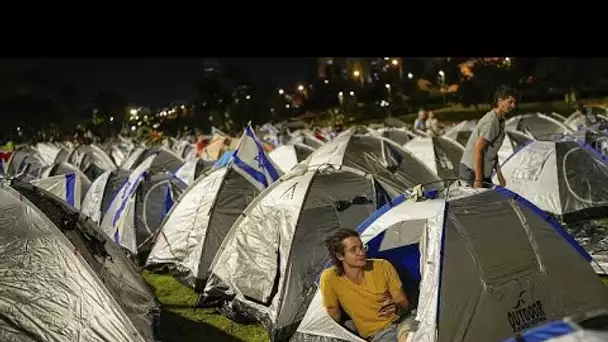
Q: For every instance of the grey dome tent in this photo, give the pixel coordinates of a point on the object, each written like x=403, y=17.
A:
x=565, y=178
x=164, y=159
x=480, y=277
x=196, y=226
x=286, y=157
x=513, y=142
x=267, y=263
x=389, y=163
x=461, y=132
x=64, y=169
x=67, y=187
x=102, y=191
x=92, y=160
x=192, y=169
x=118, y=274
x=538, y=126
x=588, y=327
x=24, y=163
x=439, y=154
x=49, y=292
x=140, y=205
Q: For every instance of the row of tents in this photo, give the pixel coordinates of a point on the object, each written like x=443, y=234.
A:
x=247, y=233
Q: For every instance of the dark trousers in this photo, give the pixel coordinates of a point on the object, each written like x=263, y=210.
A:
x=468, y=176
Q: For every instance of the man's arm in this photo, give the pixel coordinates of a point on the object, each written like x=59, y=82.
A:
x=480, y=146
x=395, y=288
x=330, y=299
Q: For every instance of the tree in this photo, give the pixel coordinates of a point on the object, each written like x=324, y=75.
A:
x=570, y=74
x=487, y=75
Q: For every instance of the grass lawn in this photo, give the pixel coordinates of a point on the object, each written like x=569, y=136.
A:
x=179, y=323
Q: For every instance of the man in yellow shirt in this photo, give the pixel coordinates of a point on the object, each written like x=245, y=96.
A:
x=368, y=290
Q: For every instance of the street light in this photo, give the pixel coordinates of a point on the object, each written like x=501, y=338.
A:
x=441, y=73
x=352, y=93
x=300, y=87
x=247, y=97
x=388, y=86
x=340, y=94
x=133, y=111
x=395, y=62
x=326, y=81
x=409, y=75
x=356, y=73
x=281, y=91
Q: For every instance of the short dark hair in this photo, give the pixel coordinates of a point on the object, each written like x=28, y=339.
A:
x=503, y=92
x=335, y=247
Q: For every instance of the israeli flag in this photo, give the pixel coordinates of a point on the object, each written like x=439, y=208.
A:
x=250, y=160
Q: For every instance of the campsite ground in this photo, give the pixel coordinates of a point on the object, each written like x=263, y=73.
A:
x=181, y=324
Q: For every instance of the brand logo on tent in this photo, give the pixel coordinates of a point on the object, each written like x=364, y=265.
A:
x=526, y=313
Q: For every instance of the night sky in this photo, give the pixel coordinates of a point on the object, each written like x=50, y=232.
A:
x=157, y=81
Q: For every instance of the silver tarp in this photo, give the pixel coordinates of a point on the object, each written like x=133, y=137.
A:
x=270, y=258
x=564, y=178
x=49, y=292
x=491, y=266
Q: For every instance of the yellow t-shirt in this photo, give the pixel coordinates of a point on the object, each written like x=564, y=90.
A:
x=362, y=302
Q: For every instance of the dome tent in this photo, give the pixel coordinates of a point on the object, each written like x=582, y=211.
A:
x=288, y=156
x=461, y=132
x=109, y=263
x=102, y=191
x=92, y=160
x=394, y=167
x=565, y=178
x=267, y=263
x=192, y=169
x=538, y=126
x=196, y=226
x=589, y=327
x=65, y=169
x=67, y=187
x=138, y=209
x=439, y=154
x=49, y=292
x=481, y=256
x=163, y=159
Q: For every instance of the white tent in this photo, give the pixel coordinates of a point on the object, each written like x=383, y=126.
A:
x=67, y=187
x=270, y=257
x=288, y=156
x=439, y=154
x=564, y=178
x=480, y=258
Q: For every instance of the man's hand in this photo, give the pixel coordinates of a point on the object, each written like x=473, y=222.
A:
x=388, y=308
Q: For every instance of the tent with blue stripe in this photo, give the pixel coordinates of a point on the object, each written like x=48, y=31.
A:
x=201, y=218
x=64, y=169
x=589, y=327
x=67, y=187
x=140, y=205
x=478, y=265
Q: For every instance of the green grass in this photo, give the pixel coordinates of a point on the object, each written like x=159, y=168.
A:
x=179, y=323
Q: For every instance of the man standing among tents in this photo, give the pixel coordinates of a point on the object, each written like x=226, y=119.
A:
x=480, y=156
